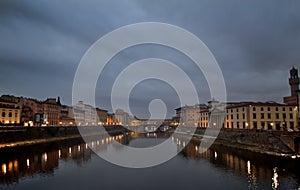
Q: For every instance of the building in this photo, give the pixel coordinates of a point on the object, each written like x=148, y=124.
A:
x=256, y=115
x=212, y=115
x=10, y=111
x=122, y=117
x=52, y=110
x=67, y=116
x=190, y=115
x=294, y=86
x=111, y=119
x=262, y=115
x=102, y=115
x=85, y=115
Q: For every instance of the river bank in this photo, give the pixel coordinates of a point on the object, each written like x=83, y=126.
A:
x=262, y=142
x=11, y=137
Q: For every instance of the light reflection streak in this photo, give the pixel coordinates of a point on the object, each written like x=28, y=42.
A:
x=275, y=182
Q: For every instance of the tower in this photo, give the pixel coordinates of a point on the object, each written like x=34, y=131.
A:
x=294, y=81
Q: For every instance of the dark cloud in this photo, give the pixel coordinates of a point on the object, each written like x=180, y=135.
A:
x=255, y=43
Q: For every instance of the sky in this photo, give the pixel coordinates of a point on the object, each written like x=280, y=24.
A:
x=254, y=42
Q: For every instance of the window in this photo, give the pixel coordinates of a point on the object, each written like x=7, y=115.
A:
x=262, y=124
x=262, y=116
x=254, y=109
x=231, y=116
x=243, y=109
x=9, y=114
x=237, y=110
x=231, y=124
x=243, y=116
x=238, y=124
x=291, y=116
x=292, y=125
x=262, y=109
x=255, y=125
x=291, y=109
x=283, y=109
x=277, y=115
x=3, y=114
x=276, y=108
x=284, y=115
x=269, y=116
x=254, y=116
x=237, y=116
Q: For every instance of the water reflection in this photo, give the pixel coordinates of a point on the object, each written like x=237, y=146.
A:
x=258, y=171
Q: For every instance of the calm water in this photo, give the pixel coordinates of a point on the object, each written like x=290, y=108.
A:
x=72, y=165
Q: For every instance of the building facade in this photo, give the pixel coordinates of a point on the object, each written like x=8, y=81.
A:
x=102, y=115
x=10, y=112
x=264, y=116
x=190, y=115
x=122, y=117
x=256, y=115
x=52, y=110
x=85, y=115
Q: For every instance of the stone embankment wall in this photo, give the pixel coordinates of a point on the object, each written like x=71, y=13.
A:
x=258, y=141
x=14, y=134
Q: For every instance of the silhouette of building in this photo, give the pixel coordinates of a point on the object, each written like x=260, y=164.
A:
x=294, y=85
x=102, y=115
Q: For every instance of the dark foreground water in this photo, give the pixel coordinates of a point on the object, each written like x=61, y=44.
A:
x=72, y=165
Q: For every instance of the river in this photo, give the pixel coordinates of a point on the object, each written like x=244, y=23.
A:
x=70, y=164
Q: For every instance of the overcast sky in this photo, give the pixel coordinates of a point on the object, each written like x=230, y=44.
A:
x=255, y=43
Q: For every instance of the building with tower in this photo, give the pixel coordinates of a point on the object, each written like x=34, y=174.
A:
x=294, y=85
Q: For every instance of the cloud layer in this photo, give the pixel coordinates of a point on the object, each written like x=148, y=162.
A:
x=255, y=42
